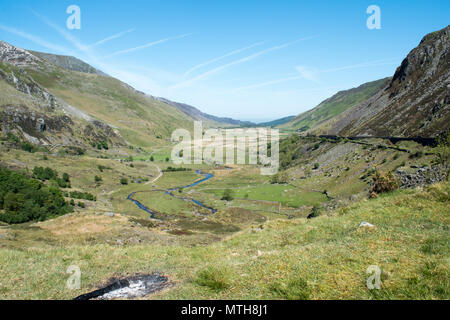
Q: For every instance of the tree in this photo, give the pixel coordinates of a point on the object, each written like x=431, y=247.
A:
x=98, y=179
x=124, y=181
x=167, y=159
x=152, y=159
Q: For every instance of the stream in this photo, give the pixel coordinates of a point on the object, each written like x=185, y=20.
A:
x=170, y=193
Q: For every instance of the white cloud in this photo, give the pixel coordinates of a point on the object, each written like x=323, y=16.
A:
x=308, y=73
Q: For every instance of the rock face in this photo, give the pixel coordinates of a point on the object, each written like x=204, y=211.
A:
x=35, y=114
x=414, y=103
x=16, y=56
x=422, y=177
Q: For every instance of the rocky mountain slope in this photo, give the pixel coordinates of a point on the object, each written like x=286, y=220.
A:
x=57, y=100
x=416, y=102
x=67, y=62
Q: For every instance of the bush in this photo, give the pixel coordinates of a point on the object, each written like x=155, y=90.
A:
x=213, y=278
x=295, y=289
x=384, y=182
x=26, y=146
x=316, y=166
x=227, y=195
x=167, y=159
x=81, y=205
x=152, y=159
x=280, y=178
x=98, y=179
x=315, y=212
x=124, y=181
x=171, y=169
x=83, y=195
x=44, y=174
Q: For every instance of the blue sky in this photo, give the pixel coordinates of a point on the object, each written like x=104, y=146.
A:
x=252, y=60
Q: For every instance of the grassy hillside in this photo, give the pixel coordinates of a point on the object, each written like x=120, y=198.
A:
x=324, y=258
x=337, y=104
x=141, y=120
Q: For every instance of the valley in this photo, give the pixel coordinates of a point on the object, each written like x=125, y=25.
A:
x=88, y=179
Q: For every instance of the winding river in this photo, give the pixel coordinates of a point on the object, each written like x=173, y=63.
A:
x=170, y=193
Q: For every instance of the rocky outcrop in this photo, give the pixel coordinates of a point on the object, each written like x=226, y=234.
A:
x=16, y=56
x=423, y=176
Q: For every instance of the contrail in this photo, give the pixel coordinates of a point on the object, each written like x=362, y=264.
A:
x=147, y=45
x=221, y=57
x=245, y=59
x=35, y=39
x=115, y=36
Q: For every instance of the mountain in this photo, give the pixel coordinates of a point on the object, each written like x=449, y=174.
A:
x=201, y=116
x=49, y=99
x=414, y=103
x=277, y=122
x=67, y=62
x=334, y=106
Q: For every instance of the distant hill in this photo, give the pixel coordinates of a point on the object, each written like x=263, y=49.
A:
x=334, y=106
x=201, y=116
x=277, y=122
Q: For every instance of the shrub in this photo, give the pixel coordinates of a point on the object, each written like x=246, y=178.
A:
x=384, y=182
x=83, y=195
x=26, y=146
x=316, y=166
x=295, y=289
x=98, y=179
x=44, y=173
x=81, y=205
x=315, y=212
x=227, y=195
x=167, y=159
x=152, y=159
x=124, y=181
x=171, y=169
x=280, y=178
x=213, y=278
x=66, y=177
